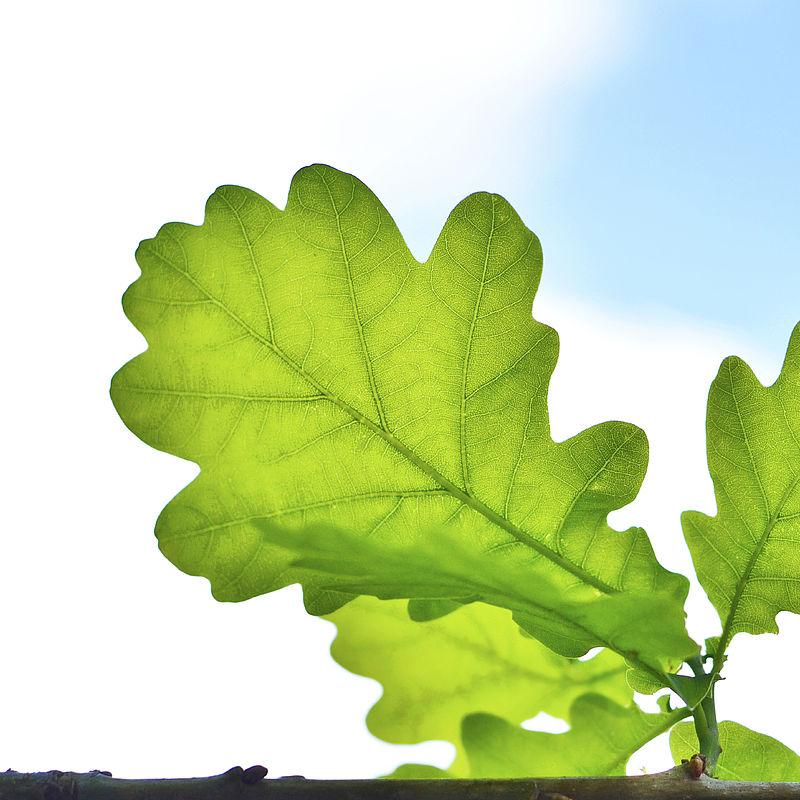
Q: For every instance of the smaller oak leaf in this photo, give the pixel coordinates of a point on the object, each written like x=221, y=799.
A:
x=603, y=736
x=746, y=754
x=747, y=557
x=437, y=672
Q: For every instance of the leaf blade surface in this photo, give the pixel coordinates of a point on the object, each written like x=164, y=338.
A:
x=445, y=566
x=475, y=659
x=747, y=557
x=746, y=754
x=603, y=736
x=320, y=376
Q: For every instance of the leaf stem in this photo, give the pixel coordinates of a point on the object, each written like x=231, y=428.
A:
x=705, y=720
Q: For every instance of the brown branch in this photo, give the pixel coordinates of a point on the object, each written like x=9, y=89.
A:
x=239, y=784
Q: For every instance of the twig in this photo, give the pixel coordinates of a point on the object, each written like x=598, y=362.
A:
x=249, y=784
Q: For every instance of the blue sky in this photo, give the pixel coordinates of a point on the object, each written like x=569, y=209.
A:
x=651, y=145
x=682, y=186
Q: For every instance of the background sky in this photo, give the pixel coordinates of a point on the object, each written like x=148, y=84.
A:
x=652, y=146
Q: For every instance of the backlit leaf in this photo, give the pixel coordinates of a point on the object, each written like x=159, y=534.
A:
x=748, y=556
x=323, y=378
x=442, y=565
x=746, y=755
x=603, y=737
x=475, y=659
x=420, y=772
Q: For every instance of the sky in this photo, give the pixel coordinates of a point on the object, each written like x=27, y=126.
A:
x=652, y=146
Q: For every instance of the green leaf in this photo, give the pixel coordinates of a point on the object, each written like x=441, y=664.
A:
x=748, y=556
x=419, y=772
x=442, y=566
x=320, y=376
x=604, y=735
x=711, y=645
x=423, y=610
x=746, y=755
x=692, y=689
x=644, y=682
x=475, y=659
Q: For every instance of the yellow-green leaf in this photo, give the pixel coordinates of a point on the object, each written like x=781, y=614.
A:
x=748, y=556
x=323, y=378
x=475, y=659
x=746, y=755
x=603, y=736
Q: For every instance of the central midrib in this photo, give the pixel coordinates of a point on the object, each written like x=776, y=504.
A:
x=454, y=490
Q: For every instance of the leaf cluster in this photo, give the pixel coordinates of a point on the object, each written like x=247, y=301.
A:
x=377, y=430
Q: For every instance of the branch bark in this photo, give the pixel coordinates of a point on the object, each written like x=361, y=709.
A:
x=676, y=784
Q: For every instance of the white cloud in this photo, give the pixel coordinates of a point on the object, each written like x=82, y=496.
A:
x=153, y=106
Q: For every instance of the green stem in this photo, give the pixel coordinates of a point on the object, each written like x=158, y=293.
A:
x=696, y=665
x=705, y=719
x=705, y=725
